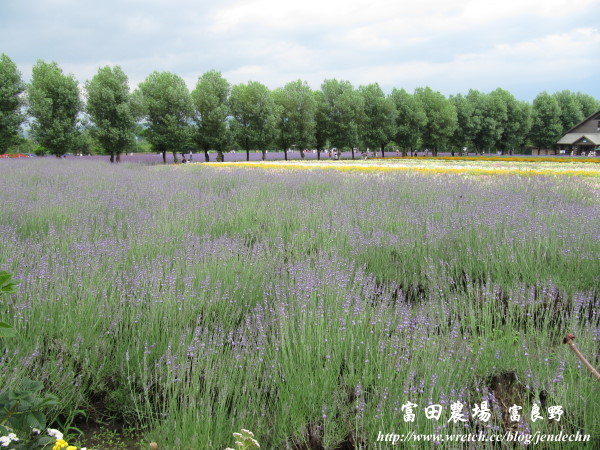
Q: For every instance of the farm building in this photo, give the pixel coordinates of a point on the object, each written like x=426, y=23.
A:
x=584, y=138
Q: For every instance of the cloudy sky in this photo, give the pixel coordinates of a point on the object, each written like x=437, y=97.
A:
x=524, y=46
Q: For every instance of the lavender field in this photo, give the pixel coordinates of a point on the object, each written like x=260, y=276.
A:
x=190, y=301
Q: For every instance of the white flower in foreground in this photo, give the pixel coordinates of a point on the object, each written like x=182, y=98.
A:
x=54, y=433
x=36, y=431
x=247, y=432
x=6, y=440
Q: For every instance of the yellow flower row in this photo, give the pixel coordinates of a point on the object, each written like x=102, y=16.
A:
x=429, y=170
x=557, y=159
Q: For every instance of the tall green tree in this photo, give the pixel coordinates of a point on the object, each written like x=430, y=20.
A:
x=210, y=98
x=516, y=122
x=523, y=116
x=54, y=104
x=588, y=104
x=321, y=123
x=168, y=111
x=109, y=105
x=570, y=109
x=546, y=128
x=379, y=118
x=410, y=120
x=489, y=117
x=466, y=125
x=254, y=116
x=11, y=103
x=345, y=113
x=296, y=120
x=441, y=119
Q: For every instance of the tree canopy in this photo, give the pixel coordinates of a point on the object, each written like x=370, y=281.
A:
x=254, y=116
x=218, y=116
x=344, y=109
x=109, y=105
x=11, y=103
x=489, y=115
x=168, y=110
x=296, y=119
x=546, y=127
x=54, y=104
x=516, y=125
x=410, y=119
x=379, y=119
x=441, y=119
x=210, y=99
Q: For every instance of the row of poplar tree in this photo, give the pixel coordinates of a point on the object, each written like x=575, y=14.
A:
x=218, y=116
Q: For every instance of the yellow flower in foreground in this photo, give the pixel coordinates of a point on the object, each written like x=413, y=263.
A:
x=59, y=444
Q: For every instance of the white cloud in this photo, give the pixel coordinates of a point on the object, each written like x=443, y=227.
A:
x=577, y=43
x=485, y=11
x=368, y=38
x=552, y=57
x=142, y=24
x=281, y=15
x=396, y=43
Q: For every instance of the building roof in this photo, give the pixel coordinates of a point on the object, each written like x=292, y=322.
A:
x=590, y=117
x=580, y=138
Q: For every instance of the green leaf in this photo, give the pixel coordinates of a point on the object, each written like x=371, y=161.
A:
x=36, y=419
x=45, y=440
x=31, y=385
x=8, y=285
x=7, y=331
x=49, y=400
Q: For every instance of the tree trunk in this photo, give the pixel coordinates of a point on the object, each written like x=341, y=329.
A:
x=285, y=153
x=318, y=154
x=383, y=151
x=112, y=157
x=118, y=157
x=247, y=155
x=175, y=160
x=206, y=157
x=352, y=152
x=264, y=155
x=220, y=157
x=164, y=157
